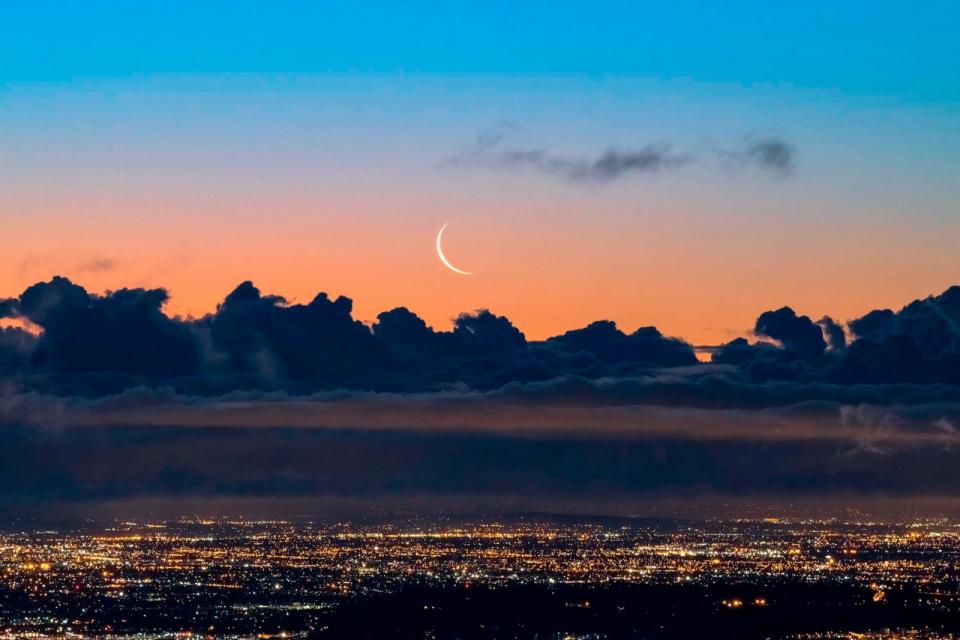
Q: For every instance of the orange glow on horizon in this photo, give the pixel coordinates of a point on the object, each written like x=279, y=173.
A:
x=689, y=275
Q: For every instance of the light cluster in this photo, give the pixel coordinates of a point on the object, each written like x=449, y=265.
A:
x=279, y=578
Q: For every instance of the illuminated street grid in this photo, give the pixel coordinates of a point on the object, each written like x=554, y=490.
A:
x=263, y=573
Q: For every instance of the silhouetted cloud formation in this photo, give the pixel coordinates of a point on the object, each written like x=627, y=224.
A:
x=91, y=344
x=124, y=331
x=106, y=397
x=15, y=347
x=611, y=346
x=263, y=336
x=95, y=344
x=833, y=333
x=920, y=344
x=797, y=334
x=493, y=150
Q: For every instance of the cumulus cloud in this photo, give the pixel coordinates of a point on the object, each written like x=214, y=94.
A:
x=9, y=308
x=833, y=333
x=611, y=346
x=493, y=149
x=125, y=331
x=123, y=339
x=112, y=398
x=88, y=344
x=797, y=334
x=920, y=344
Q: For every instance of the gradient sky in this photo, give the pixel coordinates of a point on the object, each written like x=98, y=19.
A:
x=302, y=146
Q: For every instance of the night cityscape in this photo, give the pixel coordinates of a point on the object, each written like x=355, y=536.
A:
x=597, y=578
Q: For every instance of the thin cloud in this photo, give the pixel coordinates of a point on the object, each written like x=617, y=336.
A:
x=605, y=411
x=494, y=149
x=37, y=264
x=768, y=153
x=145, y=443
x=96, y=265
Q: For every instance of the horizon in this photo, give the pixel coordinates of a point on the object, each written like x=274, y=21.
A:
x=748, y=332
x=459, y=320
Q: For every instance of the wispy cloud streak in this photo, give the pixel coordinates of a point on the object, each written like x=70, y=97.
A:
x=494, y=149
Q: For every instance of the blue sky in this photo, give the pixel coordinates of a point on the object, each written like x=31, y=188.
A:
x=323, y=126
x=903, y=49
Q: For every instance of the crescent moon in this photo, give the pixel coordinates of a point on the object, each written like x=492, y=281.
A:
x=443, y=258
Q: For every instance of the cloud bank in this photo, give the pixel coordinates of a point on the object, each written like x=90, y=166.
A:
x=105, y=397
x=88, y=345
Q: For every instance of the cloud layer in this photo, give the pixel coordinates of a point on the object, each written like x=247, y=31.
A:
x=88, y=344
x=91, y=344
x=505, y=447
x=104, y=397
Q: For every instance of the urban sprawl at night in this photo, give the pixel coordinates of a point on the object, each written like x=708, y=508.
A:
x=240, y=578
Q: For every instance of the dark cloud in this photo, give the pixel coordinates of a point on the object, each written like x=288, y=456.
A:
x=86, y=344
x=610, y=441
x=265, y=337
x=797, y=334
x=772, y=154
x=123, y=339
x=109, y=398
x=920, y=344
x=874, y=324
x=124, y=331
x=611, y=346
x=833, y=333
x=9, y=308
x=493, y=149
x=15, y=348
x=610, y=165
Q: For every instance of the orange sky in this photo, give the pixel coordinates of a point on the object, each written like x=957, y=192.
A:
x=338, y=184
x=688, y=272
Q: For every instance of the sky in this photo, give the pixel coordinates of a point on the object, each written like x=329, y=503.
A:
x=763, y=197
x=308, y=147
